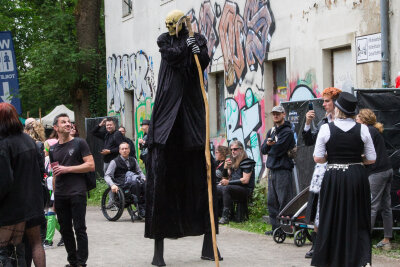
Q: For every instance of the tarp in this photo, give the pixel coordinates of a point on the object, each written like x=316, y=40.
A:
x=296, y=114
x=386, y=105
x=47, y=120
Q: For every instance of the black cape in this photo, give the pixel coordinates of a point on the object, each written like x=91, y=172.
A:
x=176, y=191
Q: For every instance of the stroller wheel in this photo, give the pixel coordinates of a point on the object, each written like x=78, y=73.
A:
x=279, y=235
x=300, y=238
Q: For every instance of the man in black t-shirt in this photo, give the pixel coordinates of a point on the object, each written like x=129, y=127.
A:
x=71, y=160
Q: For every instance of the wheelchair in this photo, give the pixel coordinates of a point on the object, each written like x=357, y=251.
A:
x=113, y=209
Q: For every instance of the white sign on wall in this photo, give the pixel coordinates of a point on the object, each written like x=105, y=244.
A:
x=368, y=48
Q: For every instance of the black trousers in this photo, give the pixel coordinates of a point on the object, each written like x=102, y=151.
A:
x=232, y=192
x=71, y=211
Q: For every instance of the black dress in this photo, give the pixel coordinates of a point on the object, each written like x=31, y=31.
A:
x=345, y=204
x=176, y=190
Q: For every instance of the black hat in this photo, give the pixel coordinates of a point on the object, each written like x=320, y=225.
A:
x=145, y=122
x=347, y=103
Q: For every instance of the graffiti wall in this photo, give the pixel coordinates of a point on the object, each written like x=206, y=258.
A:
x=129, y=73
x=133, y=73
x=239, y=38
x=298, y=89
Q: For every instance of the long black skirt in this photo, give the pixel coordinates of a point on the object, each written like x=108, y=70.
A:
x=176, y=192
x=344, y=238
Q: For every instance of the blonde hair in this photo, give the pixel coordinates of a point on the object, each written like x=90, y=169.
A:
x=36, y=131
x=367, y=116
x=341, y=115
x=243, y=155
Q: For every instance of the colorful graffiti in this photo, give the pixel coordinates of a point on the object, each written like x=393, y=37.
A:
x=129, y=73
x=142, y=112
x=245, y=122
x=244, y=39
x=299, y=89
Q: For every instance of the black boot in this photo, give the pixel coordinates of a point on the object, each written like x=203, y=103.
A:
x=207, y=253
x=225, y=216
x=158, y=259
x=310, y=253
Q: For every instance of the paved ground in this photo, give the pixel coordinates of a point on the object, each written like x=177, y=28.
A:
x=121, y=244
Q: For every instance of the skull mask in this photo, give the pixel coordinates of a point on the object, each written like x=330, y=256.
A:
x=171, y=20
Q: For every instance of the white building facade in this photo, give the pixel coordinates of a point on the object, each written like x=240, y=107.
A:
x=262, y=52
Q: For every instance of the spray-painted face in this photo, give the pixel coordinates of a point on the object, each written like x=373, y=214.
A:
x=171, y=20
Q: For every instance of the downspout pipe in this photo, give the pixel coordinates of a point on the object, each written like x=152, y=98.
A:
x=385, y=42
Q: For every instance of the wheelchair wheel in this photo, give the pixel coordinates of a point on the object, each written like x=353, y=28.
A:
x=300, y=238
x=279, y=235
x=112, y=208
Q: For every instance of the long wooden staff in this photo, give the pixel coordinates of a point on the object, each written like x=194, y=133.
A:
x=207, y=148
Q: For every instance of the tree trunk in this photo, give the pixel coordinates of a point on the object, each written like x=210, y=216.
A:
x=87, y=15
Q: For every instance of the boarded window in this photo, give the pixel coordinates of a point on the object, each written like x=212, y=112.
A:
x=279, y=76
x=342, y=66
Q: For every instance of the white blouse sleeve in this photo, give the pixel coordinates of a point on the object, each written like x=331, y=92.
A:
x=369, y=149
x=323, y=137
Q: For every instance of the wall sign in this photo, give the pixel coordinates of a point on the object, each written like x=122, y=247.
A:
x=9, y=85
x=369, y=48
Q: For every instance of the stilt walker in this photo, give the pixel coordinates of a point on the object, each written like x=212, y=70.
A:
x=179, y=167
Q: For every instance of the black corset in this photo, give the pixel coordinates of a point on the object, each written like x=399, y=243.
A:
x=344, y=147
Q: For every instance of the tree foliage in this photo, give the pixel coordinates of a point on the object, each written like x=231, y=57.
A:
x=48, y=55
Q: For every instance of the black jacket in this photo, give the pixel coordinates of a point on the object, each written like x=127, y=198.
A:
x=278, y=153
x=382, y=162
x=111, y=141
x=310, y=137
x=122, y=169
x=21, y=194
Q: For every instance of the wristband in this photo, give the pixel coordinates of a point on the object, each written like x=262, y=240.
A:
x=235, y=182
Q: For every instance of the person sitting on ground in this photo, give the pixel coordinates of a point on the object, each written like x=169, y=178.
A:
x=124, y=172
x=122, y=130
x=380, y=177
x=238, y=179
x=220, y=155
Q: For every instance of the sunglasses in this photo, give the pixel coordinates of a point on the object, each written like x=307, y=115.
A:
x=235, y=148
x=169, y=23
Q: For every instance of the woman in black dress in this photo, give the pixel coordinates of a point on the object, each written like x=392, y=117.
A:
x=345, y=202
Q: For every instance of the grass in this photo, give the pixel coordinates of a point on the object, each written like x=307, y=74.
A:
x=97, y=193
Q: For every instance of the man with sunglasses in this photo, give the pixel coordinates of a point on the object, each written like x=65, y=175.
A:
x=280, y=139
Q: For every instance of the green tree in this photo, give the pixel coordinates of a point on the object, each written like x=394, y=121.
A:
x=60, y=50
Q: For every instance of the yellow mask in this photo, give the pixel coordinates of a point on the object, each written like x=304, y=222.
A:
x=171, y=20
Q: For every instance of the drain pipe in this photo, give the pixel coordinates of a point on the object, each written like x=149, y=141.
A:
x=385, y=42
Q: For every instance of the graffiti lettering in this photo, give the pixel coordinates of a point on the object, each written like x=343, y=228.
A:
x=244, y=122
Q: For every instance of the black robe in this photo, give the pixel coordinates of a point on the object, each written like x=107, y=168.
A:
x=176, y=191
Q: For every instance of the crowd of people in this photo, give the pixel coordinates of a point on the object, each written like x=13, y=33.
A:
x=351, y=181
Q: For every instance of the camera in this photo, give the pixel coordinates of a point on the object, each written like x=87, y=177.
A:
x=310, y=106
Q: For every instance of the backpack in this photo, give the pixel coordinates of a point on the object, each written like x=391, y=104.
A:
x=90, y=177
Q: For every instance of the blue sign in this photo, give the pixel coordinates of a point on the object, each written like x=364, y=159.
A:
x=9, y=85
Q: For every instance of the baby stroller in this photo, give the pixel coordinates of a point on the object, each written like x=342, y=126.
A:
x=292, y=221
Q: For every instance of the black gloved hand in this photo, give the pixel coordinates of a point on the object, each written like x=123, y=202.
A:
x=190, y=41
x=195, y=49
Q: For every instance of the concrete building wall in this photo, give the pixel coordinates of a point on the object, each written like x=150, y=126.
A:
x=250, y=43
